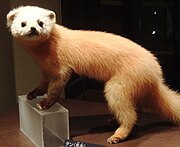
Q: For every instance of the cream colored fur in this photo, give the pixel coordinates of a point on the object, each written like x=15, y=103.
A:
x=131, y=74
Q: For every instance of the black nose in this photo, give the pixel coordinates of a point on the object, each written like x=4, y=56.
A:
x=33, y=29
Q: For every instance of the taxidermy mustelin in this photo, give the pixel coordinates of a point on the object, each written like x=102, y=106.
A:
x=131, y=73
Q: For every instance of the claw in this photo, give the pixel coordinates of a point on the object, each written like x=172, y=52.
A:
x=45, y=104
x=31, y=96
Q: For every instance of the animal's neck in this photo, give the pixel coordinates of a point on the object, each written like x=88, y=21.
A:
x=42, y=47
x=44, y=52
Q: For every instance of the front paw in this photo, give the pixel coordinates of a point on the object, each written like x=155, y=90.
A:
x=45, y=104
x=33, y=94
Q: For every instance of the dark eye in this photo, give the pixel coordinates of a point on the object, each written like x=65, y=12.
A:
x=40, y=23
x=23, y=24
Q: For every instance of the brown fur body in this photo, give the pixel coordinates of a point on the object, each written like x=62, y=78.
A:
x=131, y=74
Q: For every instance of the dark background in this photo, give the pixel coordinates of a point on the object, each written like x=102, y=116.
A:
x=154, y=24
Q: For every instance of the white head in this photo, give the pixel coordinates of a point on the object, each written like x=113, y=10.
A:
x=30, y=22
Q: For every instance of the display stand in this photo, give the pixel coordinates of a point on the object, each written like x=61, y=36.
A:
x=45, y=128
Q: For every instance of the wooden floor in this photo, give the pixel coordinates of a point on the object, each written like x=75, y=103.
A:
x=11, y=136
x=89, y=123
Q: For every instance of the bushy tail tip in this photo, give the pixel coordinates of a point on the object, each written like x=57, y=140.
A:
x=168, y=103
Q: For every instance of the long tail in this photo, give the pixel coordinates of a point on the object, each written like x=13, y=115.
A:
x=168, y=103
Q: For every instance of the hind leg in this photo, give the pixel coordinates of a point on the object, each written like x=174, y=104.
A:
x=121, y=104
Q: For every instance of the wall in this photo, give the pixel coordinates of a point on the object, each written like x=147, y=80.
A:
x=27, y=74
x=7, y=82
x=178, y=28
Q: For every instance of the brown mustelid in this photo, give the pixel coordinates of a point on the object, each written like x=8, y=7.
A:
x=131, y=74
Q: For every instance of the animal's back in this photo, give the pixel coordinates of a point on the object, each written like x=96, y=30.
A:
x=105, y=54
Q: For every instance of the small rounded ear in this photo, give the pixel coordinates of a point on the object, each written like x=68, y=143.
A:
x=52, y=15
x=10, y=17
